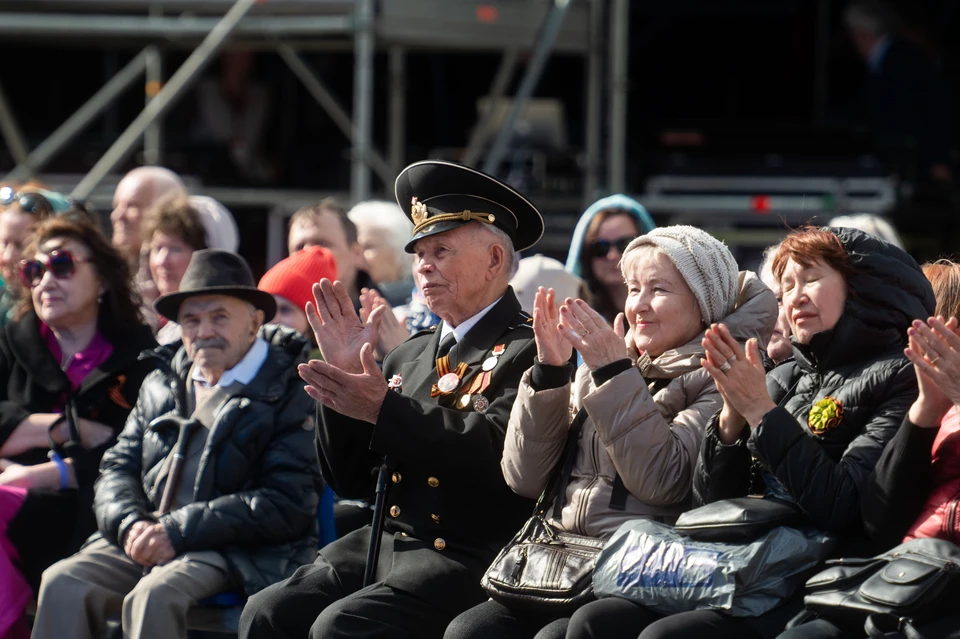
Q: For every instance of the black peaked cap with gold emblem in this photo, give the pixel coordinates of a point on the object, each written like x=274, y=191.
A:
x=441, y=196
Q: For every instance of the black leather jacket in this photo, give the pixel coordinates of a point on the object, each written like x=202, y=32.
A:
x=256, y=490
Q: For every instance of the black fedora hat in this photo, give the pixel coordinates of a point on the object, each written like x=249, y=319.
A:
x=440, y=196
x=217, y=272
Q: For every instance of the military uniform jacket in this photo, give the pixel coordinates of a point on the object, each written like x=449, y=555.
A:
x=446, y=488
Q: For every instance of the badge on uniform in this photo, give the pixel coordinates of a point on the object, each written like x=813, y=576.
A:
x=395, y=383
x=449, y=380
x=473, y=393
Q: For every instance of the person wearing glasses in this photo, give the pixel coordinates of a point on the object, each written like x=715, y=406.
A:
x=598, y=243
x=20, y=210
x=70, y=376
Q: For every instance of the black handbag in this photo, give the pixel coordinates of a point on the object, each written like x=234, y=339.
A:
x=543, y=568
x=739, y=519
x=913, y=582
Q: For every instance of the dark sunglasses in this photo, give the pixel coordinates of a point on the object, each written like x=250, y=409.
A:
x=601, y=248
x=29, y=202
x=62, y=263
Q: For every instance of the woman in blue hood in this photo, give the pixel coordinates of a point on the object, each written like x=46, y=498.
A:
x=603, y=232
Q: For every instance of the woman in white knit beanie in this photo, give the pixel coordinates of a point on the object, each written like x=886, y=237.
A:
x=646, y=396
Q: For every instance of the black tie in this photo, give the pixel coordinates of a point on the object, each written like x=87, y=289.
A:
x=446, y=344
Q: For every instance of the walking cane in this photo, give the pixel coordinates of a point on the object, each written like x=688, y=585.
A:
x=376, y=531
x=187, y=426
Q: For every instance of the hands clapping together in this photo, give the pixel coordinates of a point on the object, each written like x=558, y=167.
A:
x=348, y=379
x=934, y=350
x=574, y=325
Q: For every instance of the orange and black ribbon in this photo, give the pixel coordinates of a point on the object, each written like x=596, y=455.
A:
x=482, y=380
x=443, y=368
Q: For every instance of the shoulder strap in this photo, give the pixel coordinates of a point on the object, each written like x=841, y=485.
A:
x=556, y=489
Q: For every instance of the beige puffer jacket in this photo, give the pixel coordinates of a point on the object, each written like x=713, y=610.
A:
x=653, y=442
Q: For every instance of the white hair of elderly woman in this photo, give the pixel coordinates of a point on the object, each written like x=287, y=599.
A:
x=388, y=216
x=221, y=228
x=869, y=223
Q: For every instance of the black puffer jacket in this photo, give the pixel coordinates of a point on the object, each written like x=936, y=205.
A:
x=255, y=496
x=860, y=363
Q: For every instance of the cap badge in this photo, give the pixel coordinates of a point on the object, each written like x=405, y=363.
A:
x=418, y=211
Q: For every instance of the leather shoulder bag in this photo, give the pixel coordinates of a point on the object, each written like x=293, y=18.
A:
x=544, y=568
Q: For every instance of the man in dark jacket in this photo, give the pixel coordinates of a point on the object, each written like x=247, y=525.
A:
x=213, y=482
x=439, y=422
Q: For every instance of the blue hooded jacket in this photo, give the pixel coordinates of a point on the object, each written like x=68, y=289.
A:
x=618, y=202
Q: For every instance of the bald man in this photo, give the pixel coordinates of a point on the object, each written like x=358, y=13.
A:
x=136, y=193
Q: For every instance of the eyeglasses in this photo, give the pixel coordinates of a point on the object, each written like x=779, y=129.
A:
x=62, y=263
x=601, y=248
x=29, y=202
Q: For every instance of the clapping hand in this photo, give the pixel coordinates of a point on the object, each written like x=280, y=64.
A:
x=359, y=396
x=392, y=331
x=340, y=333
x=587, y=331
x=740, y=378
x=552, y=348
x=934, y=350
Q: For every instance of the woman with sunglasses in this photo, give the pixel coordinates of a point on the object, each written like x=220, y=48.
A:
x=20, y=210
x=69, y=376
x=598, y=243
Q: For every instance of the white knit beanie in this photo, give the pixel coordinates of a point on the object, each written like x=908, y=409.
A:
x=704, y=262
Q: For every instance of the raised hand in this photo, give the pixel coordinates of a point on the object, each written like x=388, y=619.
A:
x=552, y=349
x=392, y=331
x=587, y=331
x=934, y=350
x=340, y=333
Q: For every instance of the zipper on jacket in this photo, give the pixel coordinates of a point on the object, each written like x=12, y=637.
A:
x=951, y=521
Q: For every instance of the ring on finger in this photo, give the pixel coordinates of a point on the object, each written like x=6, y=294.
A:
x=725, y=366
x=935, y=360
x=584, y=333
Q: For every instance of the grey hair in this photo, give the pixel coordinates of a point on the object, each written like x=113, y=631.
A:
x=766, y=266
x=389, y=217
x=876, y=17
x=869, y=223
x=504, y=241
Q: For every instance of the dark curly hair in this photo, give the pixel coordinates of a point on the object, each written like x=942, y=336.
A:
x=119, y=314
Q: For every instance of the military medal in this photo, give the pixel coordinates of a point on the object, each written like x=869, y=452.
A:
x=449, y=380
x=481, y=404
x=448, y=383
x=491, y=362
x=465, y=401
x=395, y=383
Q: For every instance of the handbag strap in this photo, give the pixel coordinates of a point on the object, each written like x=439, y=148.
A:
x=556, y=488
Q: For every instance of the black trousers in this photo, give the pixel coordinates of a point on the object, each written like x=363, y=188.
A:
x=943, y=628
x=615, y=618
x=492, y=620
x=417, y=593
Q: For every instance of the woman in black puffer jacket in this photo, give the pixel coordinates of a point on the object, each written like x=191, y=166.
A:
x=816, y=426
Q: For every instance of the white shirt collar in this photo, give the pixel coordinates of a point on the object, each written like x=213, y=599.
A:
x=245, y=370
x=464, y=327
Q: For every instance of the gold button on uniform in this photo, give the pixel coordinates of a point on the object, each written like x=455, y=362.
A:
x=439, y=543
x=394, y=511
x=396, y=478
x=435, y=518
x=433, y=482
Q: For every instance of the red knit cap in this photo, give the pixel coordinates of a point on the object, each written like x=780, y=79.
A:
x=293, y=278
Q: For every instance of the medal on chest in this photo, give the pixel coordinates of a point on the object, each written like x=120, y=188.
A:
x=473, y=394
x=449, y=380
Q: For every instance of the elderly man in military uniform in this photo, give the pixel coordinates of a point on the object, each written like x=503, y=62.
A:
x=436, y=416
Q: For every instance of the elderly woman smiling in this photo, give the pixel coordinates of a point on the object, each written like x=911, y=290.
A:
x=817, y=425
x=647, y=397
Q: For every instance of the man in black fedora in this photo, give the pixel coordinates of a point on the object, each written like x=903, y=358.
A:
x=436, y=416
x=213, y=482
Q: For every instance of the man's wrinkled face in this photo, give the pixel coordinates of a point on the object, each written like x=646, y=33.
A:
x=218, y=330
x=451, y=270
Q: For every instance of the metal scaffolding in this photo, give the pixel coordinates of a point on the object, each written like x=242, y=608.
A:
x=397, y=27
